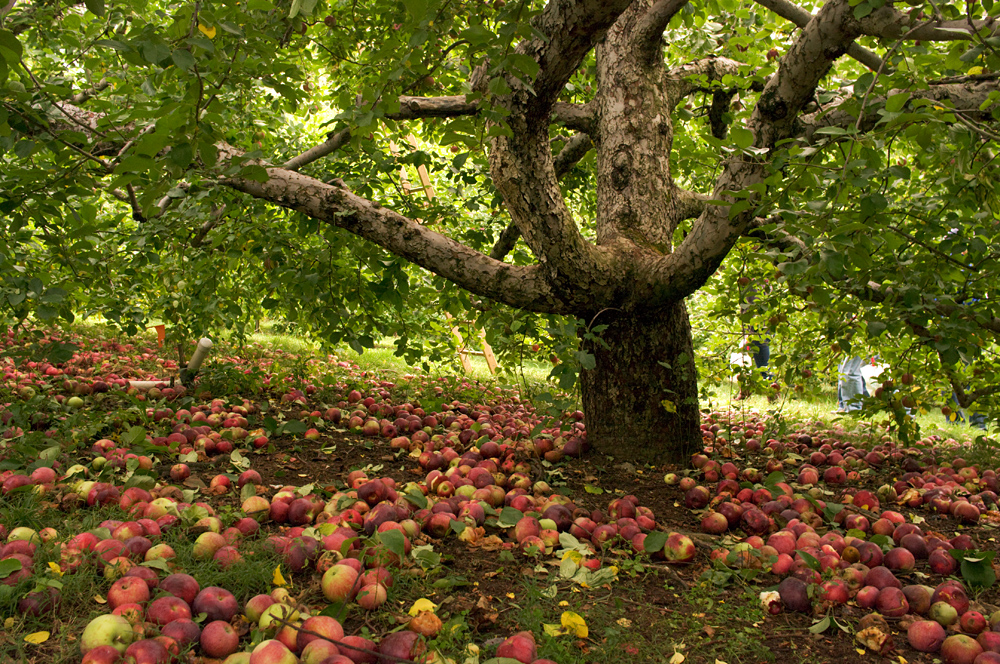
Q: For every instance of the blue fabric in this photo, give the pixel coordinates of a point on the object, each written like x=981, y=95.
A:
x=977, y=420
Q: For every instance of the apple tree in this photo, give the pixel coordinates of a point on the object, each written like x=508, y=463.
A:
x=595, y=160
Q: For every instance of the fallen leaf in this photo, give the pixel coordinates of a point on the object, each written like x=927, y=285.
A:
x=552, y=630
x=676, y=658
x=55, y=568
x=100, y=600
x=422, y=604
x=575, y=624
x=278, y=579
x=37, y=637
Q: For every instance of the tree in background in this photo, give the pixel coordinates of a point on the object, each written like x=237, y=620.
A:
x=599, y=160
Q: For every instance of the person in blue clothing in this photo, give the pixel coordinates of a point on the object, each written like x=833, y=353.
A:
x=758, y=346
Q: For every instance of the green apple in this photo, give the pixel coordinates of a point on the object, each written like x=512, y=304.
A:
x=107, y=630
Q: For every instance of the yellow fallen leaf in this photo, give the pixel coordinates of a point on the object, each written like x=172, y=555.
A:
x=624, y=622
x=37, y=637
x=573, y=555
x=860, y=651
x=55, y=568
x=8, y=624
x=719, y=661
x=676, y=658
x=100, y=600
x=575, y=624
x=278, y=579
x=563, y=603
x=207, y=31
x=552, y=630
x=422, y=604
x=669, y=406
x=510, y=595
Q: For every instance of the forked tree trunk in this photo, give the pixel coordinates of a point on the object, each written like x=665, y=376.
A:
x=641, y=399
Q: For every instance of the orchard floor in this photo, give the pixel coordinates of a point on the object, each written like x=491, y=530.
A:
x=651, y=611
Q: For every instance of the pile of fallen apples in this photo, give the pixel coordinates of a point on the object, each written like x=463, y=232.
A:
x=865, y=554
x=830, y=543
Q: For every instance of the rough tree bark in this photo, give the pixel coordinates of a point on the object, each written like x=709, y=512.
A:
x=641, y=398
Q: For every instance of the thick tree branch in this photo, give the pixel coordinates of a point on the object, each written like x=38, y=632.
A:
x=690, y=204
x=801, y=18
x=889, y=23
x=522, y=165
x=649, y=32
x=579, y=117
x=964, y=97
x=575, y=149
x=334, y=142
x=519, y=286
x=573, y=27
x=824, y=39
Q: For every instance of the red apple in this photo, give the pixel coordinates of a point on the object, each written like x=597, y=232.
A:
x=163, y=610
x=128, y=590
x=521, y=647
x=181, y=585
x=272, y=652
x=219, y=639
x=217, y=603
x=339, y=583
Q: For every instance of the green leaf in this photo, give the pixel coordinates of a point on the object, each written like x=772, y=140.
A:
x=478, y=35
x=134, y=435
x=96, y=7
x=774, y=478
x=8, y=566
x=810, y=560
x=509, y=517
x=183, y=59
x=248, y=491
x=157, y=563
x=416, y=8
x=10, y=47
x=820, y=626
x=896, y=102
x=142, y=481
x=294, y=427
x=416, y=497
x=395, y=541
x=742, y=137
x=654, y=541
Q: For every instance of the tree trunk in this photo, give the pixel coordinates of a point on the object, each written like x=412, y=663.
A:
x=641, y=400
